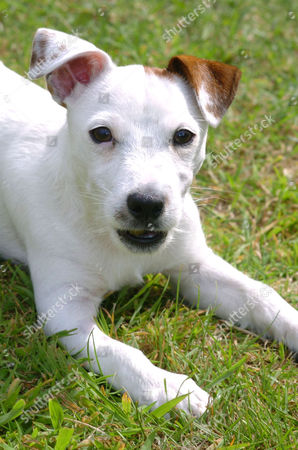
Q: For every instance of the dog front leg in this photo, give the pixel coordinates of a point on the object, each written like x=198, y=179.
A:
x=128, y=368
x=212, y=282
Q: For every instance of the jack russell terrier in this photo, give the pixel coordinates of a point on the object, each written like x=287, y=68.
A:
x=95, y=193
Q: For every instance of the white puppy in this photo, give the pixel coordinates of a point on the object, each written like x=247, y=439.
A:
x=95, y=193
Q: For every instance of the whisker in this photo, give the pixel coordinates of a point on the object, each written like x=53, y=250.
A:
x=198, y=188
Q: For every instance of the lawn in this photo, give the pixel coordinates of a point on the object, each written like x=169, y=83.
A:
x=247, y=199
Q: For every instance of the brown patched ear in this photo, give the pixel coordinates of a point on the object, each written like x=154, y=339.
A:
x=214, y=84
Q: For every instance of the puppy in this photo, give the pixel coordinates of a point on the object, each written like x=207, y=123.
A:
x=95, y=193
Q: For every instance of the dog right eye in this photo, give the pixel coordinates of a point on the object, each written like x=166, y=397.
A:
x=101, y=134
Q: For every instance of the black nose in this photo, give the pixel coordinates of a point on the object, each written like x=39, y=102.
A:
x=145, y=206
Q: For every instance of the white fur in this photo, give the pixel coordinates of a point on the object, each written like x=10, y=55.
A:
x=207, y=104
x=59, y=205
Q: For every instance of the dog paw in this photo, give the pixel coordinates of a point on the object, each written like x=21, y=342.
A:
x=286, y=328
x=169, y=385
x=291, y=335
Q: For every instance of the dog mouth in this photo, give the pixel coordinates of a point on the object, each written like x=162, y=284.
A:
x=142, y=239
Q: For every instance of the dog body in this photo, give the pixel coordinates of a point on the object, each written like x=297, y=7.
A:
x=96, y=195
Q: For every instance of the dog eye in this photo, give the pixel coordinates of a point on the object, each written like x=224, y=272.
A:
x=101, y=134
x=183, y=136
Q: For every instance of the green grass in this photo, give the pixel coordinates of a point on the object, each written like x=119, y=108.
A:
x=249, y=219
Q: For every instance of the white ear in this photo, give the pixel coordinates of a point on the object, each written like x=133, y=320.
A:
x=66, y=61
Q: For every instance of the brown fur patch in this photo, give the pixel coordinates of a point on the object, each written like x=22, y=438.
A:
x=220, y=80
x=158, y=72
x=38, y=52
x=39, y=48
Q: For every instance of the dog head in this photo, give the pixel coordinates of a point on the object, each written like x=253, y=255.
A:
x=136, y=134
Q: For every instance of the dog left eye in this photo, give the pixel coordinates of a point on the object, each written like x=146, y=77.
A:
x=101, y=134
x=183, y=136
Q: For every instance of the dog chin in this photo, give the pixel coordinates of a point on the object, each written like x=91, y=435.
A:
x=142, y=241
